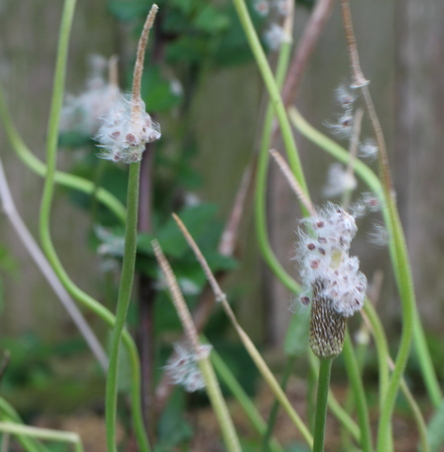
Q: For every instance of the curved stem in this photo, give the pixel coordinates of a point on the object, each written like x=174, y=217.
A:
x=275, y=96
x=261, y=180
x=126, y=283
x=45, y=210
x=321, y=404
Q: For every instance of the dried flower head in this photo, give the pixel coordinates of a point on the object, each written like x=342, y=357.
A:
x=127, y=127
x=124, y=135
x=326, y=267
x=183, y=367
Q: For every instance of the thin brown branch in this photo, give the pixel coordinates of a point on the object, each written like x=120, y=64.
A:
x=297, y=189
x=307, y=43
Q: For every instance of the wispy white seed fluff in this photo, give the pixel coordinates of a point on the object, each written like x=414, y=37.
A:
x=379, y=235
x=81, y=113
x=274, y=36
x=339, y=180
x=323, y=252
x=345, y=97
x=368, y=150
x=183, y=368
x=125, y=131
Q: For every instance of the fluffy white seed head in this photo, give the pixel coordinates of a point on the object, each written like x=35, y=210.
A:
x=323, y=253
x=125, y=131
x=183, y=368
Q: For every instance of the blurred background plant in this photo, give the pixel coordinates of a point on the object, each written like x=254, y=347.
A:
x=199, y=61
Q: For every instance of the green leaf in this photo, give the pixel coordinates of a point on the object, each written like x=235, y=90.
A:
x=296, y=339
x=211, y=21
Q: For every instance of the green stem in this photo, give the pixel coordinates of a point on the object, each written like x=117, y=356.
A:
x=382, y=350
x=243, y=399
x=45, y=210
x=358, y=389
x=219, y=406
x=44, y=433
x=321, y=405
x=68, y=180
x=288, y=370
x=383, y=357
x=9, y=414
x=275, y=96
x=336, y=409
x=261, y=181
x=126, y=283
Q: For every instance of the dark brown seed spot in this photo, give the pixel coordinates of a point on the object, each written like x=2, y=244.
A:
x=311, y=246
x=320, y=224
x=322, y=251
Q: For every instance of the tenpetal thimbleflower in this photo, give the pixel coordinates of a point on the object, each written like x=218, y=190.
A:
x=337, y=285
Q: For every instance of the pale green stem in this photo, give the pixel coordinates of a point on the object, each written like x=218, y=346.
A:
x=68, y=180
x=341, y=415
x=321, y=404
x=358, y=390
x=45, y=211
x=383, y=355
x=243, y=399
x=275, y=96
x=43, y=433
x=8, y=413
x=261, y=180
x=126, y=284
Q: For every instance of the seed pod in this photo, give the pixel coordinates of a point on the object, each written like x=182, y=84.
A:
x=327, y=327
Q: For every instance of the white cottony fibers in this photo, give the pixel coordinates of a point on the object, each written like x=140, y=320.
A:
x=323, y=253
x=183, y=369
x=125, y=131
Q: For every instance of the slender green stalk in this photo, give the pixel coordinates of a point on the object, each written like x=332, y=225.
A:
x=44, y=433
x=8, y=414
x=271, y=422
x=374, y=184
x=68, y=180
x=358, y=389
x=383, y=355
x=321, y=405
x=382, y=350
x=45, y=210
x=126, y=284
x=336, y=409
x=261, y=180
x=273, y=91
x=244, y=400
